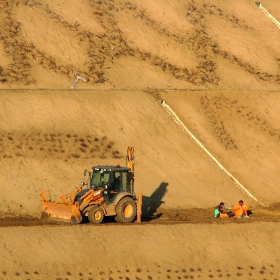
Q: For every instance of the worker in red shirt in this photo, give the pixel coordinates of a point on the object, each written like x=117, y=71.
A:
x=241, y=210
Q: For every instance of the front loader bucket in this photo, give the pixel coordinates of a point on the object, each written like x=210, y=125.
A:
x=61, y=211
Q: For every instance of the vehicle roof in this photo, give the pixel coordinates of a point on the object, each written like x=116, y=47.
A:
x=111, y=168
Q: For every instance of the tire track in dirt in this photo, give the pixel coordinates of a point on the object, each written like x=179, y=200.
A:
x=159, y=216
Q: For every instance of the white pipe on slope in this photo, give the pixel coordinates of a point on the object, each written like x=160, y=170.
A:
x=180, y=123
x=269, y=15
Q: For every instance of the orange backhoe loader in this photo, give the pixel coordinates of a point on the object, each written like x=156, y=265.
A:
x=109, y=191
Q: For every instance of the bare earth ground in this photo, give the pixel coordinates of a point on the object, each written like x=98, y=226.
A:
x=215, y=63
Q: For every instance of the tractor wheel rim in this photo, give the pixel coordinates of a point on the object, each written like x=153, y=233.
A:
x=128, y=210
x=97, y=215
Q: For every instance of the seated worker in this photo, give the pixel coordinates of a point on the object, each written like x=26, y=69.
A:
x=219, y=211
x=241, y=210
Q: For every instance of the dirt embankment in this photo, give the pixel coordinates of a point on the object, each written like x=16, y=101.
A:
x=216, y=64
x=135, y=45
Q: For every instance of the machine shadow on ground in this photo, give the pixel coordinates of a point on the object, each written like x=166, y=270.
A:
x=153, y=202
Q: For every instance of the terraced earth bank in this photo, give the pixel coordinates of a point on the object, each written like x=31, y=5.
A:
x=215, y=63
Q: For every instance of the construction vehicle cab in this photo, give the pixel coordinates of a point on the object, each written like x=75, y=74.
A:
x=109, y=191
x=111, y=179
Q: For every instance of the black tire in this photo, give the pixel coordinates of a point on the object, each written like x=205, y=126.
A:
x=126, y=210
x=96, y=215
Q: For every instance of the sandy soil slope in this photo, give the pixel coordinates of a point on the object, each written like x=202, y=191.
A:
x=46, y=151
x=142, y=252
x=136, y=45
x=215, y=63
